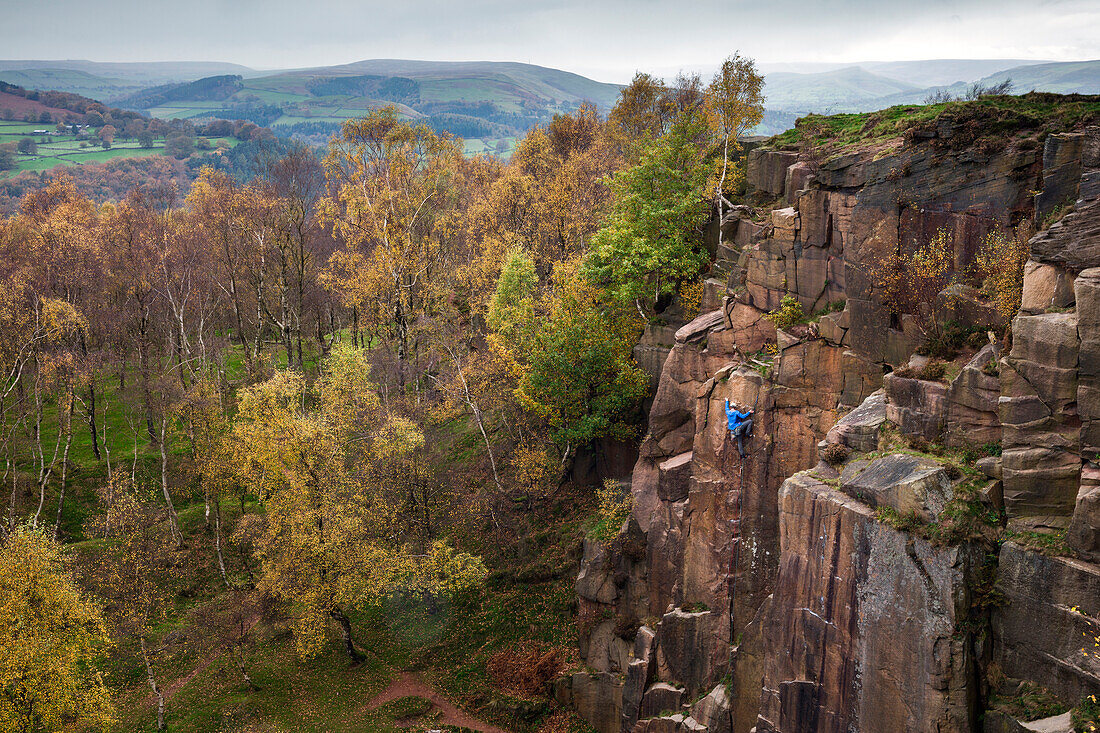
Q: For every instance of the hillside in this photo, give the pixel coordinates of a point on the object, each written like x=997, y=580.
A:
x=145, y=73
x=71, y=80
x=1077, y=77
x=825, y=91
x=870, y=86
x=487, y=103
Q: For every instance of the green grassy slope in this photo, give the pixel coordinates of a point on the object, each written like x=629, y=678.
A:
x=70, y=80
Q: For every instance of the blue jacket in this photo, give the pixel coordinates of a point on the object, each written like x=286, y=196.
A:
x=734, y=417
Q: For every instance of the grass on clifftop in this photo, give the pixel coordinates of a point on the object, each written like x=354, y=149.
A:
x=990, y=124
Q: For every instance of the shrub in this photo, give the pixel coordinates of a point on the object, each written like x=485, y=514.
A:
x=614, y=507
x=525, y=668
x=1086, y=716
x=911, y=282
x=789, y=313
x=835, y=454
x=999, y=265
x=691, y=296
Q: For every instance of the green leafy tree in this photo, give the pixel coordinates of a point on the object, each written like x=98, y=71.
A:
x=651, y=242
x=581, y=377
x=512, y=308
x=27, y=146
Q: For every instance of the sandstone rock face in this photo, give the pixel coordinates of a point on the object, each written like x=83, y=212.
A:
x=917, y=406
x=854, y=601
x=1038, y=635
x=973, y=402
x=1046, y=287
x=1084, y=529
x=772, y=574
x=767, y=169
x=1038, y=415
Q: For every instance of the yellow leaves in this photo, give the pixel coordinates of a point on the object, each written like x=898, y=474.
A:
x=999, y=265
x=398, y=437
x=735, y=97
x=50, y=639
x=60, y=318
x=909, y=283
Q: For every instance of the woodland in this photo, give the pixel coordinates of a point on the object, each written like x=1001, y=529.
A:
x=311, y=415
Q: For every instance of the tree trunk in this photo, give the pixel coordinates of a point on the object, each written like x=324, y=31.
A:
x=345, y=630
x=218, y=542
x=153, y=685
x=173, y=519
x=65, y=465
x=91, y=401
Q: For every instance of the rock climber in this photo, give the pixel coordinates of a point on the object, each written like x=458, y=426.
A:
x=740, y=425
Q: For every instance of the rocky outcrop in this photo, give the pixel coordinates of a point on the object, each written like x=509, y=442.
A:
x=866, y=622
x=775, y=591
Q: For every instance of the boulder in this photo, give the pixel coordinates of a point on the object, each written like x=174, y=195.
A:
x=1057, y=724
x=699, y=327
x=859, y=429
x=918, y=407
x=906, y=483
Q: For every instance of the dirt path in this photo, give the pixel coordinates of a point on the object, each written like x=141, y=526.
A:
x=407, y=684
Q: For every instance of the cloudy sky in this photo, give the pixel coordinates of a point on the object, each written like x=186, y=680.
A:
x=605, y=39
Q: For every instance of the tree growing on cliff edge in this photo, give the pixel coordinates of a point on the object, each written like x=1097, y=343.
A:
x=651, y=241
x=735, y=103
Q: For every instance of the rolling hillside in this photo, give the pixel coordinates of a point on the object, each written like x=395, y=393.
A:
x=489, y=104
x=837, y=89
x=1081, y=77
x=871, y=86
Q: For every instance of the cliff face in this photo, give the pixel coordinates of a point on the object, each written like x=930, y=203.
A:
x=773, y=592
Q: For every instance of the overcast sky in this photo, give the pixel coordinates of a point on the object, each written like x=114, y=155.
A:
x=605, y=39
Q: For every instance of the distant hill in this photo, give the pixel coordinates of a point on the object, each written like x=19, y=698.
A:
x=489, y=104
x=877, y=85
x=72, y=81
x=146, y=73
x=827, y=90
x=942, y=72
x=1081, y=77
x=209, y=89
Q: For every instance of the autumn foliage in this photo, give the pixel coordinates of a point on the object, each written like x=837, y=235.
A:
x=306, y=391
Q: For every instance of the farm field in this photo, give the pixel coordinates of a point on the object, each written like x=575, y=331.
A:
x=54, y=149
